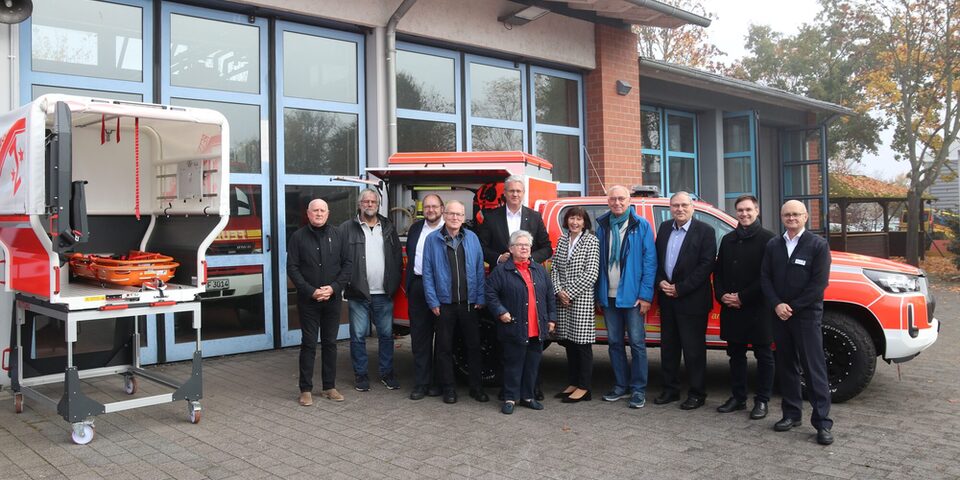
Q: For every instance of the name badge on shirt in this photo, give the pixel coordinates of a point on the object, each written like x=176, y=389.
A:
x=800, y=261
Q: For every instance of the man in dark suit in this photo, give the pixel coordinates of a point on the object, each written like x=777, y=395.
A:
x=500, y=223
x=686, y=250
x=793, y=276
x=422, y=320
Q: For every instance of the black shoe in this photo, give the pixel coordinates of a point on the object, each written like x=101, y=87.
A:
x=666, y=398
x=732, y=405
x=507, y=408
x=785, y=424
x=759, y=410
x=418, y=393
x=824, y=437
x=479, y=395
x=586, y=397
x=434, y=391
x=531, y=404
x=362, y=382
x=562, y=395
x=450, y=396
x=538, y=394
x=692, y=403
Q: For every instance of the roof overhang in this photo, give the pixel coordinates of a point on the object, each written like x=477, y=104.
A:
x=692, y=77
x=650, y=13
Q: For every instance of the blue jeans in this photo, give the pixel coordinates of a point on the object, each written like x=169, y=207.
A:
x=630, y=320
x=380, y=309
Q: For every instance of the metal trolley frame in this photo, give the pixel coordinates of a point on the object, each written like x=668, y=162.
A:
x=76, y=407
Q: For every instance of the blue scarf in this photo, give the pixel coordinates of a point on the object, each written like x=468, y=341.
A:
x=615, y=224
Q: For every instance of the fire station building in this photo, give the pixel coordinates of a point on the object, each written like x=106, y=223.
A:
x=318, y=90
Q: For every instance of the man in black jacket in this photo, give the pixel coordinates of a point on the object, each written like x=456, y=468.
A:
x=794, y=274
x=499, y=223
x=686, y=251
x=422, y=320
x=319, y=268
x=374, y=248
x=744, y=318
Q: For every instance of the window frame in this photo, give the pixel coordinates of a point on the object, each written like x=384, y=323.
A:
x=472, y=121
x=752, y=154
x=456, y=117
x=537, y=127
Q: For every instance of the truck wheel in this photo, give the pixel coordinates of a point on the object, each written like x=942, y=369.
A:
x=490, y=355
x=850, y=354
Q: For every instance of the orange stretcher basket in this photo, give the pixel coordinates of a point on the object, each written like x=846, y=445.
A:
x=134, y=269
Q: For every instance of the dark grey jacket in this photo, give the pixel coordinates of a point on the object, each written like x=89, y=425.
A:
x=355, y=242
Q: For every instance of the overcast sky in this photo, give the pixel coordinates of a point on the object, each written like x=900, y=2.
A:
x=729, y=30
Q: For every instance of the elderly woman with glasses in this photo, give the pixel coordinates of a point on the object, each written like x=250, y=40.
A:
x=520, y=296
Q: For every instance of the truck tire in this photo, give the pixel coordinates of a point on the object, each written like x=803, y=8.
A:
x=850, y=353
x=490, y=355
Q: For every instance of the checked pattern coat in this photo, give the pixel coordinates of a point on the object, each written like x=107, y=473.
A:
x=577, y=275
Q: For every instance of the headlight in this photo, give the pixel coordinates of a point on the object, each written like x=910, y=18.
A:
x=894, y=282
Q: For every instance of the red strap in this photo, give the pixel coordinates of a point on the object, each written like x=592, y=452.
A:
x=136, y=149
x=118, y=129
x=103, y=129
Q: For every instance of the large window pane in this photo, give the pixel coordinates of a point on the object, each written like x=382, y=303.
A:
x=38, y=90
x=320, y=143
x=319, y=68
x=232, y=306
x=650, y=129
x=652, y=169
x=488, y=139
x=737, y=174
x=736, y=134
x=214, y=55
x=495, y=92
x=424, y=136
x=244, y=131
x=680, y=134
x=558, y=100
x=563, y=151
x=425, y=82
x=682, y=175
x=244, y=232
x=87, y=38
x=802, y=180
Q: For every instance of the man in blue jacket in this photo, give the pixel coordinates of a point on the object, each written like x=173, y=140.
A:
x=453, y=285
x=628, y=266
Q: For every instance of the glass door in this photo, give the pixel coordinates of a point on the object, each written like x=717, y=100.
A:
x=218, y=60
x=321, y=137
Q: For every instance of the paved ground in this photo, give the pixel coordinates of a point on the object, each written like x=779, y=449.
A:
x=905, y=425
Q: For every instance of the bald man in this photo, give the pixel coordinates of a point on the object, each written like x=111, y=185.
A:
x=793, y=277
x=319, y=267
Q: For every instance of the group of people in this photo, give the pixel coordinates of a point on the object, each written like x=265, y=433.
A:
x=770, y=289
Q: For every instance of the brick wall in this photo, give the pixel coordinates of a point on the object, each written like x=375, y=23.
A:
x=613, y=121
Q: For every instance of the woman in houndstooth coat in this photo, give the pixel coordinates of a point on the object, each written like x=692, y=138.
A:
x=574, y=271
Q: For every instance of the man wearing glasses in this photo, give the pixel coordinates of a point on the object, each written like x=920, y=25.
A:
x=453, y=285
x=373, y=245
x=793, y=276
x=422, y=320
x=628, y=266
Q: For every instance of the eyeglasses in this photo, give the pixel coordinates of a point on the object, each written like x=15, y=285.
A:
x=369, y=202
x=521, y=245
x=454, y=214
x=792, y=215
x=432, y=207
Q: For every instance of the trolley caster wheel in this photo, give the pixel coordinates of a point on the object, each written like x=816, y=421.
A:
x=130, y=385
x=193, y=412
x=18, y=402
x=82, y=433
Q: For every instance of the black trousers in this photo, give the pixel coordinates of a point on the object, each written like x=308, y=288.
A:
x=463, y=318
x=422, y=324
x=686, y=334
x=579, y=364
x=521, y=365
x=322, y=318
x=800, y=343
x=738, y=370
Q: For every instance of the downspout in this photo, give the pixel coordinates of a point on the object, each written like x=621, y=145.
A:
x=392, y=74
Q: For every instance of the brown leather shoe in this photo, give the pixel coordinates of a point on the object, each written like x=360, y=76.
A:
x=332, y=394
x=306, y=399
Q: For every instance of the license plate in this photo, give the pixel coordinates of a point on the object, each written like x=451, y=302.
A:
x=218, y=284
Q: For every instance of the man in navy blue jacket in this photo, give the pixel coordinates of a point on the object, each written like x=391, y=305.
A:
x=453, y=285
x=422, y=320
x=794, y=274
x=628, y=266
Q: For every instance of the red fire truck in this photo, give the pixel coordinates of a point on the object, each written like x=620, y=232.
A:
x=873, y=307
